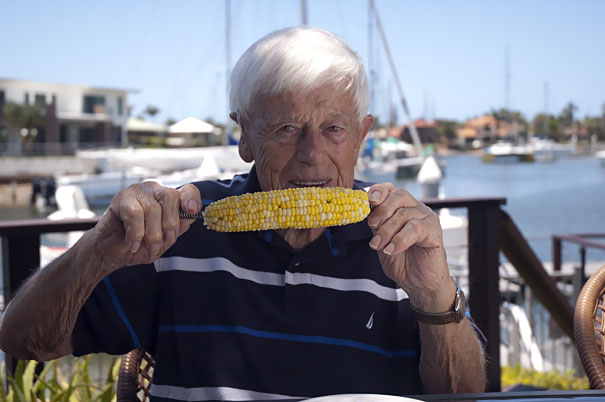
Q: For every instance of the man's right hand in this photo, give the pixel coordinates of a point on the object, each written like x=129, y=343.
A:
x=142, y=222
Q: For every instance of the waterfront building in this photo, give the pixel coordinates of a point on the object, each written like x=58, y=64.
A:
x=77, y=116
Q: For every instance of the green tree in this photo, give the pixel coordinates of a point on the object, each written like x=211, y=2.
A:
x=510, y=116
x=547, y=125
x=595, y=126
x=447, y=128
x=151, y=111
x=566, y=117
x=17, y=117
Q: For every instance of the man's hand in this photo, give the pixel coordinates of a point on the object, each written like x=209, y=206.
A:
x=408, y=238
x=142, y=222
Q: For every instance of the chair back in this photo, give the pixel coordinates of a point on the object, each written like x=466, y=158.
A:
x=589, y=328
x=135, y=374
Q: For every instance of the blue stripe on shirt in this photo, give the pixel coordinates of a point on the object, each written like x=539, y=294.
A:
x=121, y=313
x=333, y=247
x=288, y=337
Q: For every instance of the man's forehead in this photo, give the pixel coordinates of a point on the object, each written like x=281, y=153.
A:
x=297, y=105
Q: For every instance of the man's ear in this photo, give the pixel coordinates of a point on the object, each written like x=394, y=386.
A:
x=245, y=152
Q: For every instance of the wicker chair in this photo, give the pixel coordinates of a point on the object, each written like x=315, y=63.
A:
x=134, y=379
x=589, y=328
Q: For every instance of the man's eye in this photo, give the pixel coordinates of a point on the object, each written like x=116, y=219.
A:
x=287, y=129
x=335, y=129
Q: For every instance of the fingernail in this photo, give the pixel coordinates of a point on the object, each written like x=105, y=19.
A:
x=154, y=249
x=192, y=205
x=374, y=221
x=170, y=236
x=135, y=246
x=375, y=241
x=375, y=196
x=389, y=249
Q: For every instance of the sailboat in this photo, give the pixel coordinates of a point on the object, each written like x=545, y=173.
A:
x=399, y=157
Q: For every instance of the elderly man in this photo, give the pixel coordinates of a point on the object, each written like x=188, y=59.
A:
x=363, y=308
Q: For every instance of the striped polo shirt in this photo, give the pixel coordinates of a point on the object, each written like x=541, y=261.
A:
x=243, y=316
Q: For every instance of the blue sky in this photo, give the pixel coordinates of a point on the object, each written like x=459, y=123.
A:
x=450, y=55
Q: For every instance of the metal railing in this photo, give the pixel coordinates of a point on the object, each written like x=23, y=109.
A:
x=583, y=240
x=29, y=148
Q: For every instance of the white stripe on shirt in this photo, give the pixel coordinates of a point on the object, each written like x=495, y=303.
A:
x=217, y=264
x=269, y=278
x=346, y=285
x=211, y=393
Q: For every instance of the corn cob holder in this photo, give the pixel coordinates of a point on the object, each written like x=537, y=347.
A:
x=296, y=208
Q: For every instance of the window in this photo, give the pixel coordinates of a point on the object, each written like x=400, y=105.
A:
x=40, y=100
x=27, y=98
x=86, y=134
x=93, y=104
x=1, y=100
x=120, y=106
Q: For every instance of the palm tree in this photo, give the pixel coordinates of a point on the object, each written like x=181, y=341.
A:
x=151, y=111
x=17, y=117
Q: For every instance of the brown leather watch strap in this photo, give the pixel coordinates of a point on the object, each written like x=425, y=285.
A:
x=456, y=314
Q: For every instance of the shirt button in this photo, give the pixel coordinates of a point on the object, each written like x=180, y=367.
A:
x=296, y=264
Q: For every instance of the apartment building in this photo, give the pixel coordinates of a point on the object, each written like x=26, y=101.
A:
x=76, y=116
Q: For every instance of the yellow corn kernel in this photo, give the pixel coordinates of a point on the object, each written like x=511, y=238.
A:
x=293, y=208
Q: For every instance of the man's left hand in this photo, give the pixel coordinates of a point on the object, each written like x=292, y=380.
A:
x=409, y=241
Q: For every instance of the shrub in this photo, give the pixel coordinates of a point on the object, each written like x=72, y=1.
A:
x=51, y=385
x=549, y=380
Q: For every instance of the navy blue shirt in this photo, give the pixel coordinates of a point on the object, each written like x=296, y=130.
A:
x=237, y=316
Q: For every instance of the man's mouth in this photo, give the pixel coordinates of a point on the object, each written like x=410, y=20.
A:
x=314, y=183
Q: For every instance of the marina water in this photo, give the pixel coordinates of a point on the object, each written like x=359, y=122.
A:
x=564, y=196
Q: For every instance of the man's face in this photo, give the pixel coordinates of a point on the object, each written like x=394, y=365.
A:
x=304, y=139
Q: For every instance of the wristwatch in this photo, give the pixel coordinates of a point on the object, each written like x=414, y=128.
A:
x=455, y=314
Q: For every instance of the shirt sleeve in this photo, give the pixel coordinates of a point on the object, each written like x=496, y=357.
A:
x=120, y=314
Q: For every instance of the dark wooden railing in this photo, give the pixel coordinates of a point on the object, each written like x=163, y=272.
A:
x=583, y=240
x=490, y=230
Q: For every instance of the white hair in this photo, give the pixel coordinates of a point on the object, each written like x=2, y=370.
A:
x=297, y=59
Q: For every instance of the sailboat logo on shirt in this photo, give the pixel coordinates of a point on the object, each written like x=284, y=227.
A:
x=370, y=323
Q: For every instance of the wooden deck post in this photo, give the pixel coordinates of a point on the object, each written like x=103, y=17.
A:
x=20, y=258
x=484, y=297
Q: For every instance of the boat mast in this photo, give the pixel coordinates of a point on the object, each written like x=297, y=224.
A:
x=228, y=125
x=406, y=111
x=371, y=57
x=303, y=11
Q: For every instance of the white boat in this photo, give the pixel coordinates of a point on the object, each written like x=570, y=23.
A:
x=71, y=204
x=505, y=152
x=163, y=160
x=124, y=167
x=391, y=158
x=99, y=187
x=601, y=157
x=547, y=150
x=209, y=169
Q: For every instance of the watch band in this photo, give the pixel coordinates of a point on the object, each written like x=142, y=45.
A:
x=456, y=313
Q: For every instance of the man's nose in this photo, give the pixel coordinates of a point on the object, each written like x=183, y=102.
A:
x=310, y=146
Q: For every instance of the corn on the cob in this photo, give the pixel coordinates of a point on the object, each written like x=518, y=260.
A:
x=298, y=208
